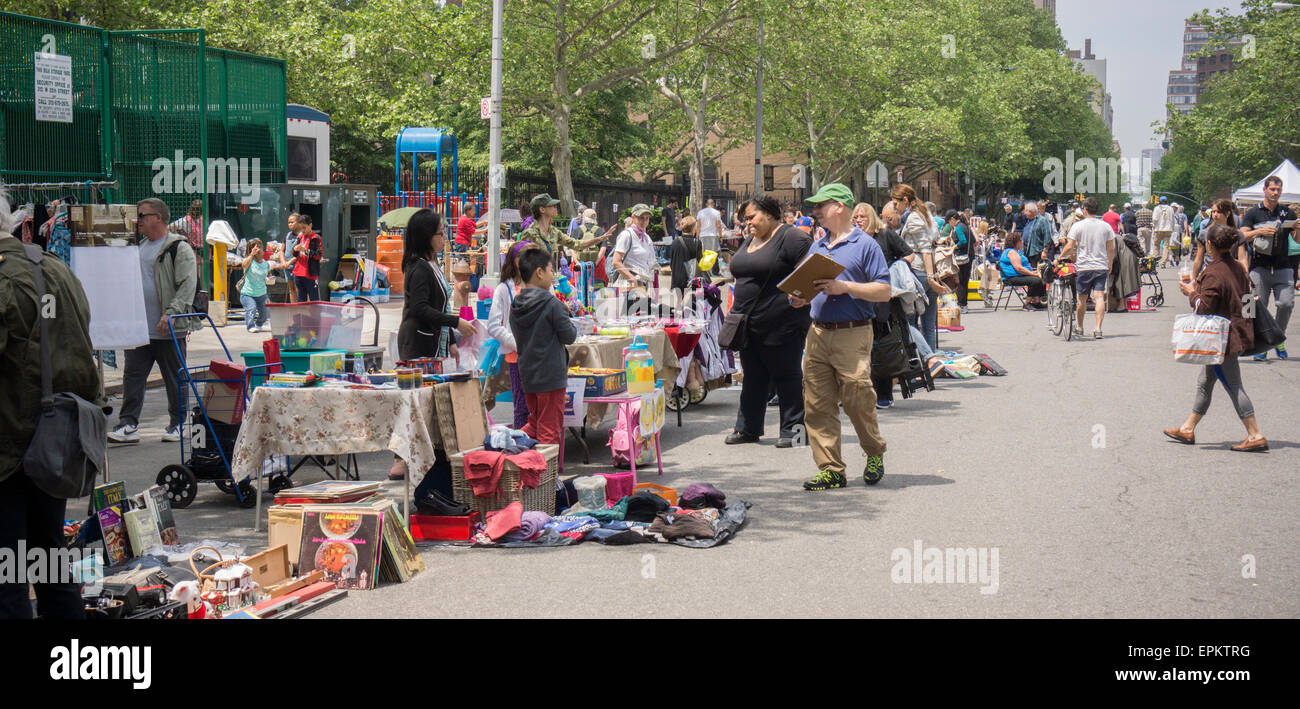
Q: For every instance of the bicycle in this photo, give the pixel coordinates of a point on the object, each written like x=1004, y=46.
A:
x=1061, y=300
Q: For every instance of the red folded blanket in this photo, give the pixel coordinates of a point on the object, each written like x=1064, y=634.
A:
x=483, y=472
x=531, y=465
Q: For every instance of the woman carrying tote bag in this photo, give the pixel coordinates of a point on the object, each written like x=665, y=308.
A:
x=1221, y=290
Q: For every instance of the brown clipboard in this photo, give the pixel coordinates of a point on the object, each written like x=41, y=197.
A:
x=815, y=268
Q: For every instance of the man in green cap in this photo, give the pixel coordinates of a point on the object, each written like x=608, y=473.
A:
x=546, y=235
x=837, y=352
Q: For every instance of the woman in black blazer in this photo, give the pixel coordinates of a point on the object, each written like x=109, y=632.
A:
x=429, y=325
x=429, y=318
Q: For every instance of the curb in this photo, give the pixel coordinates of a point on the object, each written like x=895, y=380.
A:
x=154, y=382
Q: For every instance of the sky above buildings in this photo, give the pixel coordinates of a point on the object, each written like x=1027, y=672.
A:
x=1142, y=41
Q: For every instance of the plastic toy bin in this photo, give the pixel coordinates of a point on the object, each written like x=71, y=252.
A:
x=317, y=325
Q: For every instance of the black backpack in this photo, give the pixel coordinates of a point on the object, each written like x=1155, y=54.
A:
x=200, y=302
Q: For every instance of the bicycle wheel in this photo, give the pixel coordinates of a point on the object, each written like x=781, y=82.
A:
x=1067, y=316
x=1056, y=310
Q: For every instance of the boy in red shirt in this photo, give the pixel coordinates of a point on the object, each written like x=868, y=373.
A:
x=307, y=258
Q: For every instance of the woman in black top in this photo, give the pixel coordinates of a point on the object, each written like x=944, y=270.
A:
x=429, y=318
x=772, y=356
x=429, y=322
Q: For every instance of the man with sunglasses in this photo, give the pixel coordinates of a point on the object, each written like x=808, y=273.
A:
x=169, y=276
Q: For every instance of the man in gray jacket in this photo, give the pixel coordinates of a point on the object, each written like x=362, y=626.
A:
x=169, y=275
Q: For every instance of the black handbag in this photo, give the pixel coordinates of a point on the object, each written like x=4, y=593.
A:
x=1267, y=333
x=70, y=444
x=888, y=353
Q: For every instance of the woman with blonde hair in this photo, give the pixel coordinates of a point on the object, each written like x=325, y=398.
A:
x=919, y=233
x=866, y=219
x=684, y=253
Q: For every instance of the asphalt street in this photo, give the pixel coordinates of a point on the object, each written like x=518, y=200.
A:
x=1057, y=475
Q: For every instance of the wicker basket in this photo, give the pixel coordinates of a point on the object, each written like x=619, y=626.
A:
x=538, y=499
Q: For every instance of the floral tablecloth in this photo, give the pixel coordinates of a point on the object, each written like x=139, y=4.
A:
x=321, y=421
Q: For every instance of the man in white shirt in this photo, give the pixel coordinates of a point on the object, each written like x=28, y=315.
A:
x=1092, y=244
x=710, y=221
x=1162, y=223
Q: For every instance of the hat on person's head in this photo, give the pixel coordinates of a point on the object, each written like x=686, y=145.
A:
x=1127, y=205
x=834, y=191
x=543, y=200
x=589, y=216
x=639, y=209
x=1163, y=199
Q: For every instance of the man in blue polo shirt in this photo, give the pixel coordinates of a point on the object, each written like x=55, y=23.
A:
x=837, y=352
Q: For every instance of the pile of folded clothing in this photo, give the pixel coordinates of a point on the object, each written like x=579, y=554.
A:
x=702, y=518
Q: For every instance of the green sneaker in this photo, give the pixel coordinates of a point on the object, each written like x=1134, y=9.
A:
x=875, y=469
x=826, y=479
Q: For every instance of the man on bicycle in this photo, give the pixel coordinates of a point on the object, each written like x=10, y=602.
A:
x=1092, y=244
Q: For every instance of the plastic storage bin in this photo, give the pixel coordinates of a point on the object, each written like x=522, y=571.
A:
x=317, y=325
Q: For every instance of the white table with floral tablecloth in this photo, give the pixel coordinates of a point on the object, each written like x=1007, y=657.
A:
x=328, y=420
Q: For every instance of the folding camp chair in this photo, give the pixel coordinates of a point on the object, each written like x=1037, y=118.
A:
x=1003, y=299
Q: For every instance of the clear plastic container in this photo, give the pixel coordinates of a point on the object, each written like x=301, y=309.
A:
x=640, y=366
x=317, y=324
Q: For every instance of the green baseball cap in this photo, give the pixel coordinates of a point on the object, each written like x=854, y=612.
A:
x=835, y=191
x=639, y=209
x=543, y=200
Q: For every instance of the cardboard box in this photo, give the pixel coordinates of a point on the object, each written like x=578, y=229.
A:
x=284, y=527
x=224, y=402
x=435, y=528
x=949, y=317
x=273, y=572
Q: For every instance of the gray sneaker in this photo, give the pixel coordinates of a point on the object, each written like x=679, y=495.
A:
x=125, y=433
x=172, y=434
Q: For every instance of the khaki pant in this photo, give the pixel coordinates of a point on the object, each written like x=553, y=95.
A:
x=837, y=370
x=1145, y=235
x=1162, y=245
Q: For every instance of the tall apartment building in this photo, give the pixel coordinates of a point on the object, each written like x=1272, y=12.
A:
x=1191, y=77
x=1049, y=5
x=1096, y=68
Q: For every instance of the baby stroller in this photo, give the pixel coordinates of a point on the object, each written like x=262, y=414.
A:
x=703, y=311
x=1147, y=268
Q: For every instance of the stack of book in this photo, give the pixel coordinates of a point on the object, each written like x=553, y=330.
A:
x=327, y=492
x=130, y=526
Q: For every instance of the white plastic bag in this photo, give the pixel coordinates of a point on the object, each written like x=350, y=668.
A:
x=1200, y=339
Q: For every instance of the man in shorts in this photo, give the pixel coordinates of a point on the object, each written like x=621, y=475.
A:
x=1092, y=244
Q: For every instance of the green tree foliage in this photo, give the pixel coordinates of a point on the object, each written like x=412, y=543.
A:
x=1244, y=122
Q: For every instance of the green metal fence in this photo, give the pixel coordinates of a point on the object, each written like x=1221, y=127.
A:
x=157, y=110
x=46, y=151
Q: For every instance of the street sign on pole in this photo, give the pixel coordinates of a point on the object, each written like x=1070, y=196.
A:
x=877, y=175
x=495, y=168
x=485, y=107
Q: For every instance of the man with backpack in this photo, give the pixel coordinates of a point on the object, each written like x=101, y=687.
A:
x=169, y=276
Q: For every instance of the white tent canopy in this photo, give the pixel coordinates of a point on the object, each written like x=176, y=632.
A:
x=1290, y=175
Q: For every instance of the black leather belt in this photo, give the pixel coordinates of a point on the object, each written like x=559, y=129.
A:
x=840, y=325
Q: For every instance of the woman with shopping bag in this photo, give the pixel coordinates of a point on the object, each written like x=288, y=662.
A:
x=1223, y=290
